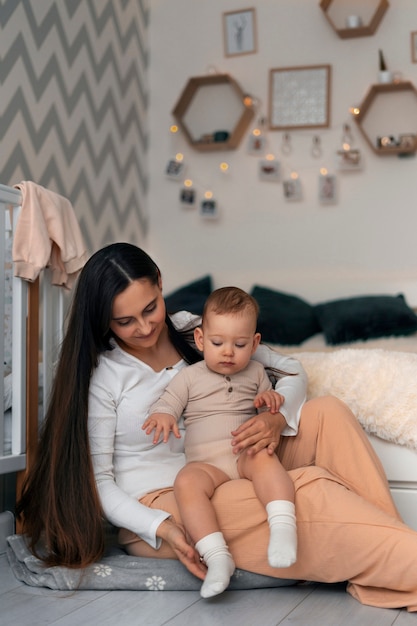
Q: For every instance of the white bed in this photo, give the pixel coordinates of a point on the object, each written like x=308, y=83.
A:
x=378, y=380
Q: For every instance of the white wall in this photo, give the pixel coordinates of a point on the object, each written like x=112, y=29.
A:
x=365, y=242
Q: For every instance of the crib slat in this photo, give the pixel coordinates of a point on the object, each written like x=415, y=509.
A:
x=32, y=357
x=2, y=314
x=19, y=308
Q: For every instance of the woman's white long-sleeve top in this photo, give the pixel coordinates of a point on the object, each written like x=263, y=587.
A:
x=126, y=463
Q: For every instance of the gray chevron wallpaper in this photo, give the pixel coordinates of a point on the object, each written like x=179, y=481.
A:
x=73, y=108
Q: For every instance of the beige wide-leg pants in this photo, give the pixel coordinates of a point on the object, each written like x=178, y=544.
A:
x=348, y=526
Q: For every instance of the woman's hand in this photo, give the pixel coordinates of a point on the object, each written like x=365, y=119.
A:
x=174, y=535
x=259, y=432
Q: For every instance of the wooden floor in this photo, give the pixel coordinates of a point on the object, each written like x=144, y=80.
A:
x=305, y=605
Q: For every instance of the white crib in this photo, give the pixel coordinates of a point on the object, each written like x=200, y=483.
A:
x=31, y=324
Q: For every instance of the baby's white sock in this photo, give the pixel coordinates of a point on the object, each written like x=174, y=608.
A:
x=219, y=562
x=282, y=549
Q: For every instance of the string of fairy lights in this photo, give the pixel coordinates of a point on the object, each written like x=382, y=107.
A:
x=270, y=168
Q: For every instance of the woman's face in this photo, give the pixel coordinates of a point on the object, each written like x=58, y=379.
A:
x=138, y=315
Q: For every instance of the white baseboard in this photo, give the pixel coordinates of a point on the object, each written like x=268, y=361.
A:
x=7, y=528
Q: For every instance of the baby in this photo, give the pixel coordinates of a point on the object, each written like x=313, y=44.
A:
x=215, y=396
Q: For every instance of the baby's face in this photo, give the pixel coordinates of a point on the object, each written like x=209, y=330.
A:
x=228, y=342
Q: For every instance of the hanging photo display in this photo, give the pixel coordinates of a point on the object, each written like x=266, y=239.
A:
x=188, y=197
x=269, y=169
x=209, y=209
x=292, y=189
x=327, y=189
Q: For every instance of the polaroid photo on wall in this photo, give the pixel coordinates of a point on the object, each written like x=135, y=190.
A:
x=292, y=189
x=349, y=160
x=269, y=170
x=256, y=144
x=188, y=197
x=209, y=209
x=327, y=189
x=174, y=169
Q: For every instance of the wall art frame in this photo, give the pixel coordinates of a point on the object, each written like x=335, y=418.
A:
x=239, y=31
x=299, y=97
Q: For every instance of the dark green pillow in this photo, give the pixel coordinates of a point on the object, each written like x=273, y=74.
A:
x=190, y=297
x=365, y=317
x=283, y=318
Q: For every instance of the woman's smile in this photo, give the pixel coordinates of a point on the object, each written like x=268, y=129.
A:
x=138, y=315
x=144, y=338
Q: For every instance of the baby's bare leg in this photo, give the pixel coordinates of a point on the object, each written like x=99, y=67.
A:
x=270, y=480
x=193, y=488
x=275, y=490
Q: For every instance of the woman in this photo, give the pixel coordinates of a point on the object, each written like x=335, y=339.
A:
x=119, y=352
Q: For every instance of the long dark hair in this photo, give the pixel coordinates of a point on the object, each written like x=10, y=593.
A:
x=59, y=503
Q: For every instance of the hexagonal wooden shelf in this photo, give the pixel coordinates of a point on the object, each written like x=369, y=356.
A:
x=396, y=115
x=359, y=31
x=225, y=102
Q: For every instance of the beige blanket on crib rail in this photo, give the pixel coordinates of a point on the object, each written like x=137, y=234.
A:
x=380, y=387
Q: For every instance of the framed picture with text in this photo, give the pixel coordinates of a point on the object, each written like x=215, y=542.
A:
x=299, y=97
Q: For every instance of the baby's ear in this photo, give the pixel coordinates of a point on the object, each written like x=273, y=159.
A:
x=198, y=338
x=256, y=341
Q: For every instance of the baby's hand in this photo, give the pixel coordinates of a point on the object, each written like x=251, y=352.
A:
x=271, y=399
x=161, y=423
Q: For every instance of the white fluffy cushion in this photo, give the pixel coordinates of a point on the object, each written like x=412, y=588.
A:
x=379, y=386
